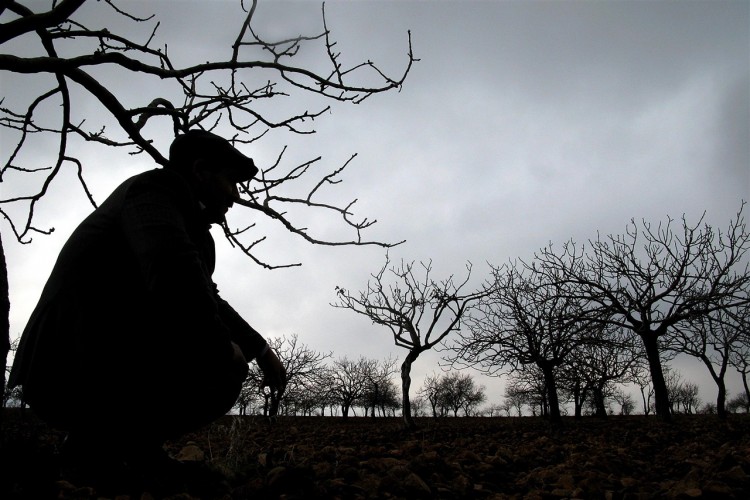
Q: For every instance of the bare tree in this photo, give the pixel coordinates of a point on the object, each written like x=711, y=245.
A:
x=418, y=406
x=249, y=397
x=460, y=391
x=688, y=397
x=384, y=398
x=380, y=390
x=507, y=406
x=641, y=377
x=683, y=395
x=324, y=392
x=526, y=387
x=739, y=403
x=304, y=367
x=574, y=385
x=603, y=361
x=430, y=391
x=653, y=278
x=86, y=74
x=740, y=360
x=494, y=410
x=526, y=319
x=350, y=381
x=419, y=311
x=624, y=399
x=713, y=339
x=452, y=391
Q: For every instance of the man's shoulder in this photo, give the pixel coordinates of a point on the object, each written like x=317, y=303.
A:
x=158, y=179
x=156, y=182
x=158, y=176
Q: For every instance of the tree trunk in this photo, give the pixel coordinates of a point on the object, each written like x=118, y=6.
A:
x=375, y=400
x=266, y=404
x=4, y=317
x=661, y=394
x=434, y=409
x=577, y=402
x=747, y=390
x=405, y=386
x=598, y=395
x=552, y=403
x=721, y=399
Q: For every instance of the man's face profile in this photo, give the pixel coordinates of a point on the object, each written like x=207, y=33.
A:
x=217, y=190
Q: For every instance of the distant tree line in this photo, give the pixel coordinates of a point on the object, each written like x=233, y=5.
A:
x=322, y=386
x=580, y=321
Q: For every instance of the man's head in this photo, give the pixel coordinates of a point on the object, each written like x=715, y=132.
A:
x=213, y=167
x=199, y=144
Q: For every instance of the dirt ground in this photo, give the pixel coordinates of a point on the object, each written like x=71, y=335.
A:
x=361, y=458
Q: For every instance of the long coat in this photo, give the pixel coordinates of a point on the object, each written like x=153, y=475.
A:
x=130, y=314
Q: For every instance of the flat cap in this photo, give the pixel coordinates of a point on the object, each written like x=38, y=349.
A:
x=200, y=144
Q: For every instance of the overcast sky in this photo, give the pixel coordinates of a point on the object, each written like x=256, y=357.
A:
x=523, y=123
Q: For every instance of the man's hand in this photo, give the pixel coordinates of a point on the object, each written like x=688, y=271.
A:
x=274, y=373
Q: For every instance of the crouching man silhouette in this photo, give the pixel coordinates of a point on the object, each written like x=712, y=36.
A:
x=130, y=344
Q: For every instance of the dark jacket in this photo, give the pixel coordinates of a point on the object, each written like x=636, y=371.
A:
x=130, y=304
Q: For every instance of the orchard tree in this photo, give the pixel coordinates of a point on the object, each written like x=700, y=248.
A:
x=83, y=74
x=515, y=398
x=350, y=380
x=624, y=399
x=574, y=385
x=321, y=394
x=641, y=377
x=452, y=391
x=249, y=397
x=740, y=360
x=304, y=369
x=739, y=403
x=655, y=278
x=713, y=339
x=683, y=395
x=526, y=387
x=418, y=310
x=602, y=362
x=459, y=391
x=418, y=406
x=384, y=398
x=430, y=391
x=527, y=319
x=381, y=391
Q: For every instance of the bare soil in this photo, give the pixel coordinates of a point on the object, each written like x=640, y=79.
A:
x=633, y=457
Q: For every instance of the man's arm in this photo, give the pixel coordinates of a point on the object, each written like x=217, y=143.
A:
x=253, y=346
x=250, y=341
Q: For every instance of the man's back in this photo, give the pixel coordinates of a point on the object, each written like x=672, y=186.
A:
x=132, y=268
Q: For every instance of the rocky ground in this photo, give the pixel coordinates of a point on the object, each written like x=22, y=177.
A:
x=485, y=458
